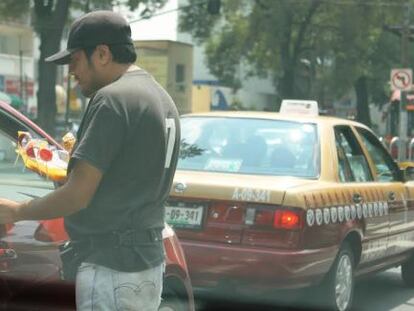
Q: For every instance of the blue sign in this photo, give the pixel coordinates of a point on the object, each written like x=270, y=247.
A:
x=219, y=101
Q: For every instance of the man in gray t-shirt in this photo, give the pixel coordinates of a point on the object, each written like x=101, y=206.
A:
x=120, y=171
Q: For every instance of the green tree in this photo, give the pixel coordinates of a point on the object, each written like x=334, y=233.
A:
x=364, y=53
x=268, y=37
x=311, y=49
x=50, y=17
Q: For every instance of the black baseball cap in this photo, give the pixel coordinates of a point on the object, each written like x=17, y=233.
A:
x=92, y=29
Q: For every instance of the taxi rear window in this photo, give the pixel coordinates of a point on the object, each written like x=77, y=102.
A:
x=249, y=146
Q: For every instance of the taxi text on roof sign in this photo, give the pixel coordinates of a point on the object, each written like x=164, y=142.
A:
x=296, y=106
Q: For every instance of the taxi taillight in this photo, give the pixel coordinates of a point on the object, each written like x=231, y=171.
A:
x=273, y=226
x=286, y=219
x=276, y=218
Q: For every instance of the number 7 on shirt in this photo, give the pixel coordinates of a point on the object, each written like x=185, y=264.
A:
x=171, y=132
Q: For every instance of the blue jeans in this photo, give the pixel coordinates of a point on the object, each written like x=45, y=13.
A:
x=104, y=289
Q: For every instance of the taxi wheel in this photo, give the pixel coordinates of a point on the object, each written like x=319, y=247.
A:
x=407, y=272
x=338, y=286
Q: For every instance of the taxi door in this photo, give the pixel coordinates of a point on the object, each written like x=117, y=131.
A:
x=389, y=177
x=367, y=194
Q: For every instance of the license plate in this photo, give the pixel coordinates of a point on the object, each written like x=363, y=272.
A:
x=184, y=217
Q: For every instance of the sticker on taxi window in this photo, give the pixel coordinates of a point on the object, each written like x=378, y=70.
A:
x=341, y=214
x=319, y=217
x=334, y=215
x=347, y=210
x=365, y=210
x=326, y=216
x=359, y=211
x=310, y=217
x=223, y=165
x=376, y=211
x=353, y=212
x=370, y=210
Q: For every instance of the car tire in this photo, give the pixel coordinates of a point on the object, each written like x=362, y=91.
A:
x=171, y=301
x=338, y=286
x=407, y=272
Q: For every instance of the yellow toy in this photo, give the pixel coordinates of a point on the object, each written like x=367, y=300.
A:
x=42, y=158
x=68, y=141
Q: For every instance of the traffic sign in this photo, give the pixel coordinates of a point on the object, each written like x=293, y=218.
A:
x=401, y=79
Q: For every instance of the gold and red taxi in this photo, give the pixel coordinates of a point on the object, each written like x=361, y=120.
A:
x=264, y=201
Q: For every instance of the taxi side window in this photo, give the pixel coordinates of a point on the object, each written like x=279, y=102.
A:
x=345, y=173
x=386, y=169
x=352, y=164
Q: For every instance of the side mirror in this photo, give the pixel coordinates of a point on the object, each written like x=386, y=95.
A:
x=408, y=173
x=407, y=170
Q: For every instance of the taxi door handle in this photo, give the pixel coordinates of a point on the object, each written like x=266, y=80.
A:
x=357, y=198
x=391, y=196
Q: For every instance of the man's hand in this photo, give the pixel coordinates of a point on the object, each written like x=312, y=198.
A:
x=71, y=197
x=9, y=211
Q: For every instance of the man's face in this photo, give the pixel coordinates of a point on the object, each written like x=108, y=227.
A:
x=85, y=72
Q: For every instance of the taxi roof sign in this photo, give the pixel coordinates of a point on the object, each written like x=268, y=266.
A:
x=296, y=106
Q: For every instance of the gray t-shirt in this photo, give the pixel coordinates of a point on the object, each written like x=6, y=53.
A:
x=131, y=133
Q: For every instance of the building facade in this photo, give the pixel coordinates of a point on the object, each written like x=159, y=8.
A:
x=17, y=65
x=255, y=94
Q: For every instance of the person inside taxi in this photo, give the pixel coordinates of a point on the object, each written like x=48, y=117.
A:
x=119, y=174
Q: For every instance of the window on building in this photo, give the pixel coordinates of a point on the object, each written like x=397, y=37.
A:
x=180, y=73
x=9, y=44
x=180, y=77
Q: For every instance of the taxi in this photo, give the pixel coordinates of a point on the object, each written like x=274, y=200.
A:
x=264, y=201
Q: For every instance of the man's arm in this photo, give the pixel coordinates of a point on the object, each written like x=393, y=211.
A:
x=74, y=195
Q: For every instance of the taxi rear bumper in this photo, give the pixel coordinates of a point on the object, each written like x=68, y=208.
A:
x=212, y=264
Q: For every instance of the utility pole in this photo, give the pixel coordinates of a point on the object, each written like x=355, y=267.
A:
x=405, y=36
x=405, y=31
x=21, y=68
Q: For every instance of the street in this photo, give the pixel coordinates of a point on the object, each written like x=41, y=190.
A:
x=384, y=291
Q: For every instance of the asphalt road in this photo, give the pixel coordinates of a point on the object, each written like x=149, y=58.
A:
x=384, y=291
x=381, y=292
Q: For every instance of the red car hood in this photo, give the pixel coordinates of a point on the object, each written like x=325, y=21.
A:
x=22, y=117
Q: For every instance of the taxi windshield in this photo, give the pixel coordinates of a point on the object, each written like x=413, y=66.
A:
x=249, y=146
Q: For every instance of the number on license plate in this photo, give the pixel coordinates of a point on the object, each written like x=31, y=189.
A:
x=190, y=217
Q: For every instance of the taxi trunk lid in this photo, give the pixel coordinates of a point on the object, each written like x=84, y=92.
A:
x=227, y=208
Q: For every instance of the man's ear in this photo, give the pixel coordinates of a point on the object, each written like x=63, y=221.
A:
x=104, y=54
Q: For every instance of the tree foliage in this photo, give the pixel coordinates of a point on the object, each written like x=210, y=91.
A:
x=310, y=49
x=49, y=19
x=11, y=9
